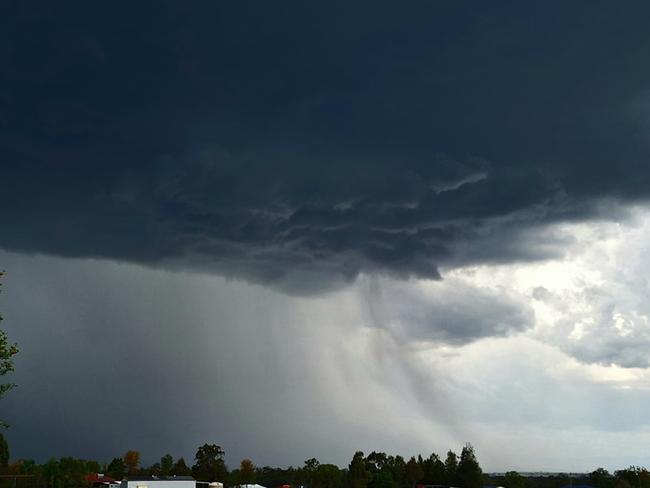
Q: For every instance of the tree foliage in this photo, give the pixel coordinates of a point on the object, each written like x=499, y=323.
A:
x=377, y=470
x=327, y=476
x=116, y=468
x=4, y=452
x=7, y=352
x=513, y=479
x=635, y=476
x=131, y=462
x=451, y=468
x=383, y=479
x=181, y=468
x=358, y=475
x=434, y=469
x=246, y=471
x=209, y=465
x=166, y=464
x=414, y=472
x=469, y=472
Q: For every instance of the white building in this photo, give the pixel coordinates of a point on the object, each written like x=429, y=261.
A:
x=158, y=482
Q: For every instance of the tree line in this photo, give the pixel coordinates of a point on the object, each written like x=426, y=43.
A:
x=375, y=470
x=631, y=477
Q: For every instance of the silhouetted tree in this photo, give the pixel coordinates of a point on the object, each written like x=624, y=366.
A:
x=116, y=468
x=434, y=469
x=51, y=472
x=512, y=479
x=327, y=476
x=451, y=468
x=309, y=471
x=396, y=466
x=469, y=473
x=414, y=472
x=623, y=483
x=166, y=464
x=358, y=474
x=7, y=352
x=72, y=472
x=209, y=465
x=131, y=462
x=4, y=452
x=635, y=476
x=181, y=468
x=246, y=471
x=383, y=479
x=376, y=461
x=600, y=478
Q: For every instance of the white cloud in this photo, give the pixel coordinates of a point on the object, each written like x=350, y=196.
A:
x=590, y=302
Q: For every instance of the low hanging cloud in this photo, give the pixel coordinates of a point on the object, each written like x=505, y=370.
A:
x=450, y=312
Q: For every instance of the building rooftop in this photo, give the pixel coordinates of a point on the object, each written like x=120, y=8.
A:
x=159, y=478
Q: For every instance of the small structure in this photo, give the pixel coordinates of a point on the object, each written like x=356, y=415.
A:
x=427, y=485
x=209, y=484
x=101, y=480
x=158, y=482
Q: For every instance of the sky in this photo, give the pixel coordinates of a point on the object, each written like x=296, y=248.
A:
x=301, y=229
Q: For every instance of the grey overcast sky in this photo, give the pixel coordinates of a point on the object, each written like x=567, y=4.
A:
x=299, y=229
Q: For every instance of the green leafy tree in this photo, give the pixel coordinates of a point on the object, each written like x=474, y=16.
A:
x=26, y=466
x=469, y=472
x=309, y=472
x=383, y=479
x=327, y=476
x=51, y=472
x=116, y=468
x=246, y=472
x=131, y=462
x=153, y=470
x=396, y=466
x=376, y=461
x=73, y=471
x=623, y=483
x=358, y=474
x=600, y=478
x=166, y=464
x=7, y=352
x=512, y=479
x=434, y=469
x=451, y=468
x=635, y=476
x=268, y=476
x=414, y=472
x=209, y=465
x=4, y=453
x=181, y=468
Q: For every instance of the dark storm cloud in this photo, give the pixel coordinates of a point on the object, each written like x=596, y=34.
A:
x=299, y=145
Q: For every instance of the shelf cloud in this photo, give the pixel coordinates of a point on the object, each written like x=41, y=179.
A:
x=377, y=143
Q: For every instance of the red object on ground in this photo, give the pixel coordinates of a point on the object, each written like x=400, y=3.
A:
x=99, y=478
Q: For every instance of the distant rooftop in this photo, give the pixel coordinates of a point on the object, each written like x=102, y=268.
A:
x=159, y=478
